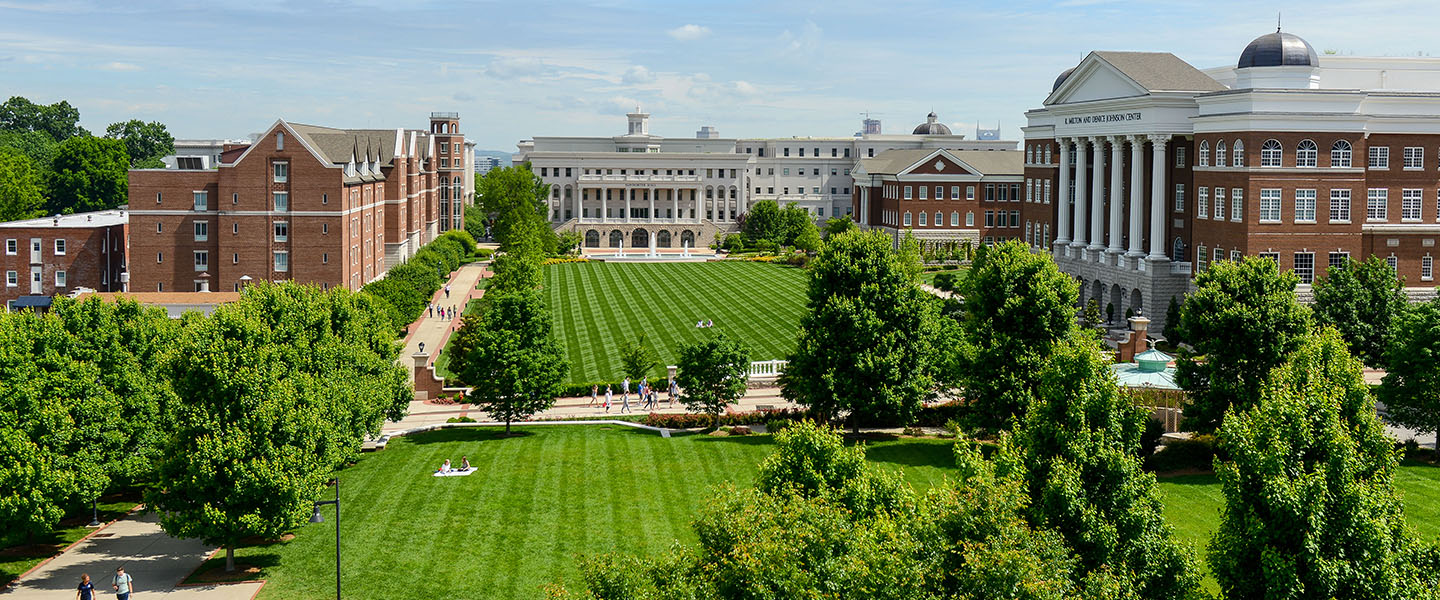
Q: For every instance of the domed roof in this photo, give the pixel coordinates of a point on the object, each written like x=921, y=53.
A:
x=1278, y=50
x=931, y=126
x=1061, y=79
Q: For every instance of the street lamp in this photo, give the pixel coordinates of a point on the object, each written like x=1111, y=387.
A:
x=315, y=517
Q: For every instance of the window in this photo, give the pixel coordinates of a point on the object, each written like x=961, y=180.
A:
x=1340, y=155
x=12, y=247
x=969, y=219
x=1376, y=203
x=1237, y=204
x=1202, y=203
x=282, y=261
x=954, y=192
x=1235, y=256
x=1047, y=191
x=1202, y=154
x=325, y=228
x=12, y=279
x=159, y=257
x=1414, y=158
x=1180, y=157
x=1015, y=218
x=1029, y=190
x=282, y=172
x=954, y=218
x=202, y=200
x=924, y=192
x=787, y=152
x=1275, y=256
x=1200, y=258
x=235, y=259
x=1306, y=154
x=1270, y=153
x=60, y=279
x=1393, y=262
x=282, y=201
x=907, y=218
x=924, y=218
x=1305, y=266
x=1219, y=204
x=1219, y=254
x=1304, y=206
x=908, y=193
x=969, y=192
x=1410, y=200
x=325, y=258
x=282, y=231
x=989, y=218
x=1427, y=268
x=202, y=260
x=60, y=247
x=1270, y=205
x=1221, y=155
x=279, y=140
x=1029, y=154
x=1337, y=260
x=202, y=231
x=939, y=192
x=1379, y=157
x=939, y=219
x=1179, y=197
x=1239, y=153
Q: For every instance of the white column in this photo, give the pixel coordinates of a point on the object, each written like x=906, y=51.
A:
x=675, y=203
x=1157, y=200
x=604, y=207
x=1117, y=193
x=627, y=192
x=579, y=202
x=1062, y=234
x=1137, y=194
x=1082, y=190
x=651, y=193
x=1097, y=198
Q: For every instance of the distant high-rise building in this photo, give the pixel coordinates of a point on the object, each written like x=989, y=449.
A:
x=707, y=133
x=986, y=134
x=483, y=164
x=870, y=127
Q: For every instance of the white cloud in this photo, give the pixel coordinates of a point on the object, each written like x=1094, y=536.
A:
x=637, y=74
x=746, y=88
x=689, y=32
x=120, y=66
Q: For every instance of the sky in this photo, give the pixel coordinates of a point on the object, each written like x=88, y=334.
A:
x=519, y=69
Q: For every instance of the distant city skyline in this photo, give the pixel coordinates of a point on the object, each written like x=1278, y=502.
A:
x=516, y=71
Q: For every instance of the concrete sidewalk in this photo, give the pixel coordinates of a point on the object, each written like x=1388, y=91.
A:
x=155, y=560
x=435, y=331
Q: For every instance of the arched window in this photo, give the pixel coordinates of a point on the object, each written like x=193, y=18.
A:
x=1029, y=153
x=954, y=218
x=1340, y=155
x=1221, y=156
x=907, y=218
x=1270, y=153
x=1239, y=151
x=924, y=217
x=1204, y=152
x=939, y=219
x=1177, y=250
x=1306, y=154
x=1047, y=154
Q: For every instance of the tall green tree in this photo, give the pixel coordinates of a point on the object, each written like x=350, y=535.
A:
x=638, y=359
x=1078, y=450
x=1018, y=307
x=508, y=356
x=60, y=120
x=1361, y=300
x=867, y=344
x=795, y=222
x=88, y=174
x=762, y=222
x=1310, y=504
x=475, y=218
x=145, y=143
x=1243, y=321
x=37, y=145
x=1174, y=331
x=712, y=374
x=1411, y=388
x=22, y=194
x=515, y=198
x=838, y=225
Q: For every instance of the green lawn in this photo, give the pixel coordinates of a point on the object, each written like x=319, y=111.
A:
x=540, y=500
x=600, y=307
x=535, y=504
x=18, y=555
x=928, y=277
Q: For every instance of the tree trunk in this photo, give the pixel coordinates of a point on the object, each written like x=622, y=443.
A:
x=507, y=424
x=229, y=559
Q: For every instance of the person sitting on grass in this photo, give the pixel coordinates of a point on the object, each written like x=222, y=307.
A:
x=465, y=463
x=709, y=323
x=445, y=467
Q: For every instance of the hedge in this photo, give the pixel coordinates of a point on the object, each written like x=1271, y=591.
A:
x=408, y=287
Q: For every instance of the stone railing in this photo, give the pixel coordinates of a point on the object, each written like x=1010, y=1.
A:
x=767, y=369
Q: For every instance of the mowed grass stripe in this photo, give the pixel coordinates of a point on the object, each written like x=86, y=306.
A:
x=602, y=307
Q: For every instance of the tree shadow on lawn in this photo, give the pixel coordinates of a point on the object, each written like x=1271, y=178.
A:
x=744, y=440
x=1200, y=479
x=913, y=454
x=247, y=568
x=466, y=434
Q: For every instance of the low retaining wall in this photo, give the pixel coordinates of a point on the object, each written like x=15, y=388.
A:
x=379, y=444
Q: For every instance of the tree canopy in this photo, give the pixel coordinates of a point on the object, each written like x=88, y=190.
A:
x=515, y=197
x=60, y=120
x=22, y=190
x=1361, y=300
x=712, y=373
x=88, y=174
x=1243, y=321
x=867, y=344
x=1411, y=388
x=838, y=225
x=638, y=359
x=507, y=354
x=144, y=142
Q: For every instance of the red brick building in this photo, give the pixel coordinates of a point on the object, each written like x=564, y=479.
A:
x=317, y=205
x=945, y=197
x=1163, y=169
x=58, y=255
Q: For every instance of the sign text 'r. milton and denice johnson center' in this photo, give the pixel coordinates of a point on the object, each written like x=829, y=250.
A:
x=1107, y=118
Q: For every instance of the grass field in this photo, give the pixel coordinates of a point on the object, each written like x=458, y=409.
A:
x=540, y=500
x=600, y=307
x=519, y=522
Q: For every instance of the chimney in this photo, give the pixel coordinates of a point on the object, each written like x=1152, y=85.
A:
x=1137, y=342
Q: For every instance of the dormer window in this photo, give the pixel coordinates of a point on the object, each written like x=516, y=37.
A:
x=279, y=140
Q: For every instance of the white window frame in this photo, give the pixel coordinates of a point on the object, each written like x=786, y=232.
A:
x=1379, y=158
x=969, y=218
x=1340, y=205
x=12, y=247
x=281, y=261
x=1219, y=203
x=1427, y=268
x=1307, y=154
x=278, y=199
x=202, y=231
x=202, y=200
x=1238, y=154
x=1377, y=204
x=1272, y=154
x=1237, y=204
x=1305, y=276
x=1304, y=205
x=1202, y=154
x=1179, y=197
x=1222, y=154
x=12, y=279
x=1270, y=205
x=202, y=260
x=954, y=218
x=61, y=280
x=1412, y=201
x=59, y=246
x=276, y=230
x=908, y=218
x=1340, y=154
x=1201, y=258
x=281, y=170
x=924, y=218
x=1413, y=158
x=1202, y=202
x=909, y=192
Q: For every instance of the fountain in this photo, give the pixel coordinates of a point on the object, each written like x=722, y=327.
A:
x=653, y=253
x=685, y=249
x=621, y=251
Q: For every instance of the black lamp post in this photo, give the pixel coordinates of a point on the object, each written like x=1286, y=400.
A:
x=316, y=518
x=94, y=512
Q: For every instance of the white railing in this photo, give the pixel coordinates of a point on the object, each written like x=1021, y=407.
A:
x=767, y=369
x=1180, y=268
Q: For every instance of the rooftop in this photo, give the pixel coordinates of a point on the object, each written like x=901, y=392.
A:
x=102, y=218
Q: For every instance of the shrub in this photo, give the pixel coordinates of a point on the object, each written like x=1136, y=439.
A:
x=483, y=253
x=797, y=259
x=1150, y=438
x=459, y=420
x=1195, y=453
x=733, y=243
x=562, y=260
x=740, y=430
x=766, y=246
x=408, y=286
x=777, y=425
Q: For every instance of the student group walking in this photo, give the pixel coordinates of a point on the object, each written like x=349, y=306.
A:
x=645, y=395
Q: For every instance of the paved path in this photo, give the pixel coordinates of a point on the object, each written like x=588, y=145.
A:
x=156, y=561
x=435, y=331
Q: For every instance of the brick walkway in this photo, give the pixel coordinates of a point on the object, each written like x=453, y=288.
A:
x=435, y=331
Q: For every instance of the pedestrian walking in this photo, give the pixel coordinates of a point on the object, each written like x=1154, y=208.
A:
x=447, y=291
x=625, y=398
x=609, y=396
x=430, y=309
x=86, y=590
x=594, y=391
x=123, y=584
x=674, y=391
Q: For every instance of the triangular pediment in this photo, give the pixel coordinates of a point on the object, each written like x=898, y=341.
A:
x=939, y=162
x=1095, y=79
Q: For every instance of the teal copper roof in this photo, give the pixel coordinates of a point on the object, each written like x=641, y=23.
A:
x=1151, y=369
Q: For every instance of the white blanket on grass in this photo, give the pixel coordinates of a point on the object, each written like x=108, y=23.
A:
x=455, y=472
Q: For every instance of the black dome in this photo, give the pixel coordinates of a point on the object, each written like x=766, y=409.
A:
x=931, y=126
x=1278, y=50
x=1061, y=79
